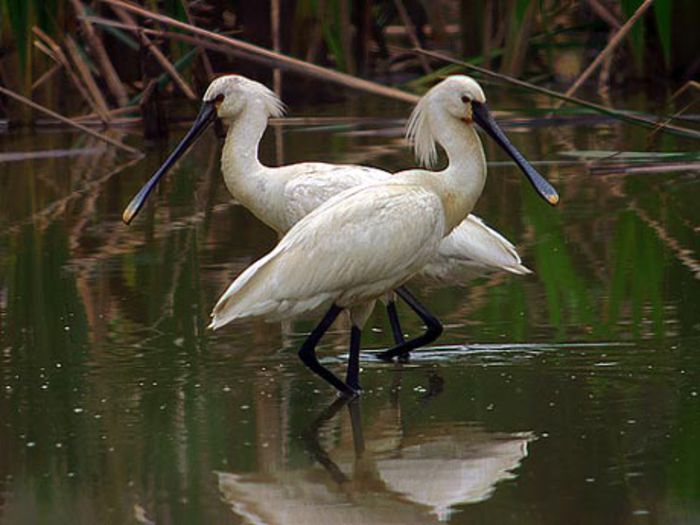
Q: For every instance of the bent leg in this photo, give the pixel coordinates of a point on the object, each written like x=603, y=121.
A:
x=394, y=322
x=307, y=353
x=433, y=328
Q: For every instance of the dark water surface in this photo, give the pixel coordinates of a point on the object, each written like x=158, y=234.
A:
x=568, y=396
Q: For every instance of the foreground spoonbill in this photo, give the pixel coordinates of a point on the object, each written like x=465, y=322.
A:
x=330, y=260
x=281, y=196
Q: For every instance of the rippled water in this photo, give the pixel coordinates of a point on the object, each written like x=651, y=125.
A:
x=568, y=396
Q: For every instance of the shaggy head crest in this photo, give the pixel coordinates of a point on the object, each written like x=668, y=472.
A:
x=237, y=90
x=448, y=96
x=420, y=135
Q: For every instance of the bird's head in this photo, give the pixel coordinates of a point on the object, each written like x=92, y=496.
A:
x=461, y=98
x=229, y=95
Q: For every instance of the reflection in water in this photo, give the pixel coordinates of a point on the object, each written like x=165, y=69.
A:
x=380, y=476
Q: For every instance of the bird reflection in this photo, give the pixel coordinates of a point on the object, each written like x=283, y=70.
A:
x=378, y=474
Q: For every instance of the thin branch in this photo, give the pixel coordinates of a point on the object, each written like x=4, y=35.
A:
x=411, y=31
x=628, y=117
x=51, y=49
x=604, y=13
x=111, y=77
x=157, y=53
x=46, y=76
x=65, y=120
x=612, y=44
x=285, y=61
x=88, y=80
x=275, y=33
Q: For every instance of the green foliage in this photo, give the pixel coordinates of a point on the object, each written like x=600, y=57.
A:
x=636, y=34
x=662, y=11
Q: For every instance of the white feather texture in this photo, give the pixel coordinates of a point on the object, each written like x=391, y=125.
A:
x=420, y=134
x=282, y=196
x=429, y=116
x=236, y=89
x=330, y=256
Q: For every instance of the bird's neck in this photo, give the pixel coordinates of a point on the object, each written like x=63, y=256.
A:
x=240, y=152
x=247, y=179
x=465, y=175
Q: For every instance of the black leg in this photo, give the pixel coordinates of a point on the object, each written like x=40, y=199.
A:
x=307, y=352
x=432, y=332
x=353, y=376
x=394, y=322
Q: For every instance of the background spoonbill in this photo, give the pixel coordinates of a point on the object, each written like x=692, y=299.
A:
x=280, y=196
x=329, y=259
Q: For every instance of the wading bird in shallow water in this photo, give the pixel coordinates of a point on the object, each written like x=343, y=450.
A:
x=369, y=240
x=280, y=196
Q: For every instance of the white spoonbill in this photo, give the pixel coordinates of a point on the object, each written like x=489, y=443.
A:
x=369, y=240
x=280, y=196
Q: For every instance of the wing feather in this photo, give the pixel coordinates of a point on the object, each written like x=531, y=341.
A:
x=354, y=247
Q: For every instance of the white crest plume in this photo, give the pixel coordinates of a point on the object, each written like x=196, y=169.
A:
x=420, y=135
x=274, y=107
x=239, y=86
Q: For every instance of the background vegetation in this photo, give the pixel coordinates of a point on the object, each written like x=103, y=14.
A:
x=54, y=48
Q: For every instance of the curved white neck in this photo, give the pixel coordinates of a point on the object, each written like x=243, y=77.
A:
x=247, y=179
x=465, y=175
x=240, y=152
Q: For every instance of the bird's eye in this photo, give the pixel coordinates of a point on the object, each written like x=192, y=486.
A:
x=466, y=99
x=219, y=98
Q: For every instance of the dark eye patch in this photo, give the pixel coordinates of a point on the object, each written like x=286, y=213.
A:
x=219, y=98
x=466, y=99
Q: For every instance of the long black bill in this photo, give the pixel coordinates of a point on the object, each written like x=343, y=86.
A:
x=205, y=117
x=482, y=116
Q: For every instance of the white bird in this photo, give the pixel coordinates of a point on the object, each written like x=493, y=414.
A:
x=280, y=196
x=369, y=240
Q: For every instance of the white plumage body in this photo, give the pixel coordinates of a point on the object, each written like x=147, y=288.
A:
x=366, y=240
x=281, y=196
x=332, y=256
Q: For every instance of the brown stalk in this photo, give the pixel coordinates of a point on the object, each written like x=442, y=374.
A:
x=284, y=61
x=612, y=44
x=275, y=30
x=111, y=113
x=156, y=52
x=411, y=32
x=50, y=48
x=110, y=74
x=206, y=63
x=46, y=76
x=88, y=80
x=628, y=117
x=65, y=120
x=603, y=12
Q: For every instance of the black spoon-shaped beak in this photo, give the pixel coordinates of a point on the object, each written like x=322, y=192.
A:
x=482, y=116
x=205, y=117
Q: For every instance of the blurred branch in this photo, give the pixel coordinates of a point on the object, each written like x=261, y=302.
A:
x=603, y=12
x=50, y=48
x=88, y=79
x=284, y=61
x=411, y=31
x=157, y=53
x=65, y=120
x=612, y=44
x=620, y=115
x=110, y=75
